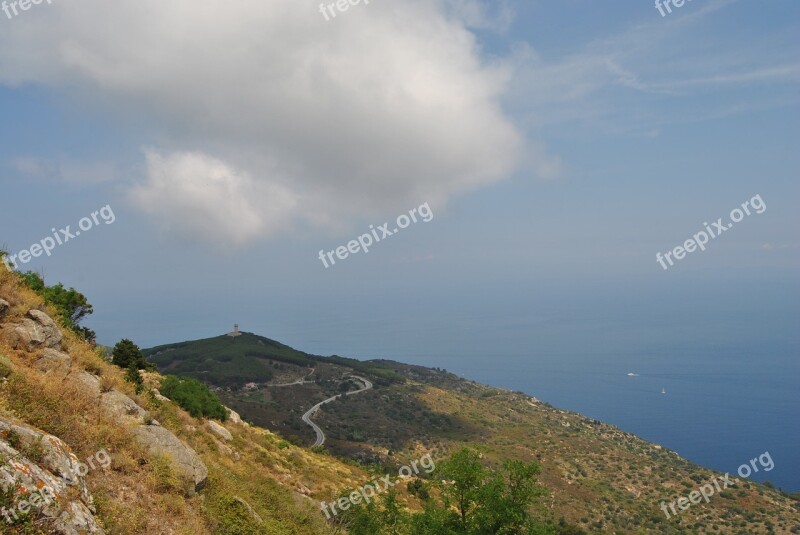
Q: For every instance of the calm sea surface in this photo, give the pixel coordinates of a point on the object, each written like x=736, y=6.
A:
x=731, y=373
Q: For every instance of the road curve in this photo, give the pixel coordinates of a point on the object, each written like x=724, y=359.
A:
x=310, y=412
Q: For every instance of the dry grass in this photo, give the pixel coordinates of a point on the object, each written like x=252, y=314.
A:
x=140, y=493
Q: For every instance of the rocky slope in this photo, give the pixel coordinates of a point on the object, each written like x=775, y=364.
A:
x=64, y=409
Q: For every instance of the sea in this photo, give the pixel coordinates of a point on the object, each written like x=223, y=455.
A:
x=716, y=376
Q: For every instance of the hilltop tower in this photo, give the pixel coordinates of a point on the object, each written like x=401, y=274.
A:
x=235, y=332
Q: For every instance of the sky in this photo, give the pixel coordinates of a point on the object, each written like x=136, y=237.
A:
x=557, y=146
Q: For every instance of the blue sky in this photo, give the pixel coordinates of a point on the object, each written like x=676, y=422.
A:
x=560, y=145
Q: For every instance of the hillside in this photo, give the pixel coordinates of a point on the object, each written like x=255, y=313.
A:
x=599, y=477
x=63, y=406
x=232, y=362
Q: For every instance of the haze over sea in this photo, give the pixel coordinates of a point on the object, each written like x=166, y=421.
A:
x=728, y=363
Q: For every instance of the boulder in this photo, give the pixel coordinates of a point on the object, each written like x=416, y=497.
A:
x=76, y=520
x=187, y=463
x=53, y=486
x=219, y=431
x=159, y=396
x=121, y=406
x=90, y=382
x=35, y=331
x=234, y=417
x=54, y=455
x=249, y=509
x=230, y=452
x=4, y=306
x=53, y=361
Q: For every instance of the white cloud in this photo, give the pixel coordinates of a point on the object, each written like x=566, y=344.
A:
x=386, y=106
x=202, y=197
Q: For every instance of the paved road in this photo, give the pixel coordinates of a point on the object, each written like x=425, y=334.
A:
x=307, y=416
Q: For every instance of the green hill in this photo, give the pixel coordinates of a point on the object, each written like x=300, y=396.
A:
x=230, y=362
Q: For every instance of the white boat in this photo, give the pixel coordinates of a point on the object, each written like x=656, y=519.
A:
x=631, y=374
x=663, y=391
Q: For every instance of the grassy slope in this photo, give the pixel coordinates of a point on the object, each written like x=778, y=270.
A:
x=140, y=494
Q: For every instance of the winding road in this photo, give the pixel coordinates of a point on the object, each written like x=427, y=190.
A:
x=307, y=416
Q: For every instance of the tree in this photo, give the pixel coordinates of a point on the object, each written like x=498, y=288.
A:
x=126, y=353
x=393, y=517
x=472, y=499
x=72, y=305
x=466, y=476
x=133, y=376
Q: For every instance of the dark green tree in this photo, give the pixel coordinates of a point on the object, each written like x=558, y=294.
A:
x=126, y=353
x=133, y=376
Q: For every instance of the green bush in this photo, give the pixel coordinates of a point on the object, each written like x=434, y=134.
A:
x=126, y=354
x=193, y=396
x=72, y=305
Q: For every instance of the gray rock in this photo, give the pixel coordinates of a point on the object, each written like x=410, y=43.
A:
x=90, y=382
x=159, y=397
x=76, y=520
x=121, y=406
x=4, y=306
x=35, y=331
x=234, y=417
x=219, y=431
x=53, y=486
x=55, y=456
x=53, y=361
x=187, y=463
x=249, y=509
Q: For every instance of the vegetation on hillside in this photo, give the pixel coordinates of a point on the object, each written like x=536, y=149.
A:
x=72, y=306
x=194, y=397
x=253, y=480
x=231, y=362
x=126, y=354
x=467, y=498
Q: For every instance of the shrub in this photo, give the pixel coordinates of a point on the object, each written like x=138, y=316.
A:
x=72, y=305
x=193, y=396
x=126, y=354
x=133, y=376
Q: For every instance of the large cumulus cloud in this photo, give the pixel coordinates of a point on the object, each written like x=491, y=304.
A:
x=292, y=117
